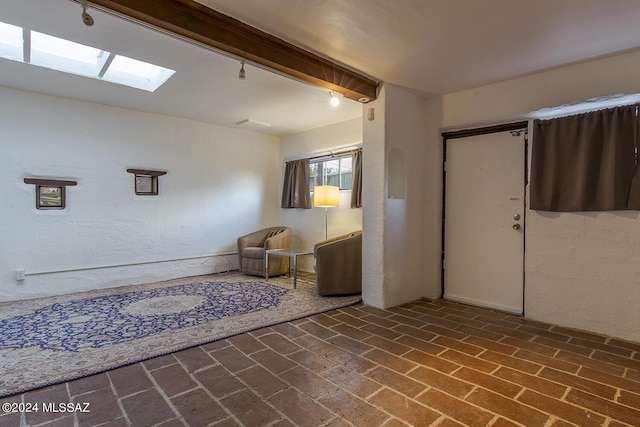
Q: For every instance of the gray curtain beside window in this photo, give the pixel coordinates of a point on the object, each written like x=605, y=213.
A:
x=295, y=189
x=584, y=162
x=356, y=183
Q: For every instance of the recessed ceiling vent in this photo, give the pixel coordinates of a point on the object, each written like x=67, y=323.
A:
x=252, y=124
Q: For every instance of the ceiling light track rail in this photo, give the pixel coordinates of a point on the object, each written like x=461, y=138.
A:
x=193, y=21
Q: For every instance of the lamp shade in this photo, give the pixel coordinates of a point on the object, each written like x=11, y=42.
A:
x=325, y=196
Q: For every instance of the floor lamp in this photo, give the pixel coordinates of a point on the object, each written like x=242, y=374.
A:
x=325, y=196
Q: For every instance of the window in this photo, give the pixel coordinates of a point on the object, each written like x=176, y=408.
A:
x=334, y=170
x=32, y=47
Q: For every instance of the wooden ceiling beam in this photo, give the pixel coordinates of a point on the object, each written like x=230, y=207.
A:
x=194, y=21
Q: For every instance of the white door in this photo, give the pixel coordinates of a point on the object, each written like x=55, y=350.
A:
x=484, y=221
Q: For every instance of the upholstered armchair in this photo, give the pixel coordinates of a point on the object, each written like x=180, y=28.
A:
x=338, y=264
x=252, y=247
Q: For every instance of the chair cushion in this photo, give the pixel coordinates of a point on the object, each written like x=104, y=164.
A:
x=253, y=252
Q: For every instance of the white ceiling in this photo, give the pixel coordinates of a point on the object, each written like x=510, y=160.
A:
x=430, y=46
x=443, y=46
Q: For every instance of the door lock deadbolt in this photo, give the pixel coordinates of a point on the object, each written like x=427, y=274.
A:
x=516, y=217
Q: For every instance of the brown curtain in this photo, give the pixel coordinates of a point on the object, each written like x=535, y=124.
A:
x=295, y=189
x=634, y=193
x=356, y=182
x=584, y=162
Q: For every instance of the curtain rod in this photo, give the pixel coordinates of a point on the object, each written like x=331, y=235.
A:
x=319, y=154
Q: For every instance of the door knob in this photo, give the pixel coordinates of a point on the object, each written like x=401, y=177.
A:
x=516, y=226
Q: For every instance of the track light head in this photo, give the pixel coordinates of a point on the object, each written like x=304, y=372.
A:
x=86, y=18
x=242, y=74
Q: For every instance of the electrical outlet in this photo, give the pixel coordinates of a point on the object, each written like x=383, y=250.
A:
x=20, y=273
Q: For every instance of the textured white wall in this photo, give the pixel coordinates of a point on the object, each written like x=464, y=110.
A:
x=217, y=187
x=514, y=99
x=432, y=192
x=373, y=206
x=581, y=268
x=402, y=240
x=406, y=242
x=308, y=225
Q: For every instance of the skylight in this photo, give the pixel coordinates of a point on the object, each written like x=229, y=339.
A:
x=10, y=42
x=63, y=55
x=136, y=73
x=40, y=49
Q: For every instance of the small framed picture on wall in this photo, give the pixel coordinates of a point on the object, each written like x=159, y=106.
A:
x=146, y=181
x=50, y=193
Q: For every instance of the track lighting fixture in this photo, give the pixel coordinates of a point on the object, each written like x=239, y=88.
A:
x=86, y=18
x=242, y=75
x=333, y=99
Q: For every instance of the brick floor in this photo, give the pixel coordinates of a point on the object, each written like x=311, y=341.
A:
x=424, y=363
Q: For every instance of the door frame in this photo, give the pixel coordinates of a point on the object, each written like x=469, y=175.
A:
x=505, y=127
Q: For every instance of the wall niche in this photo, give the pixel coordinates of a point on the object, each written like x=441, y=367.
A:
x=50, y=193
x=146, y=181
x=395, y=174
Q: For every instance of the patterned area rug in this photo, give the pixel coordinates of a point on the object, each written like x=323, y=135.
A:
x=50, y=340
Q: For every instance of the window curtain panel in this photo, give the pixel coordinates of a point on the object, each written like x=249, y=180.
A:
x=356, y=182
x=634, y=193
x=295, y=189
x=584, y=162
